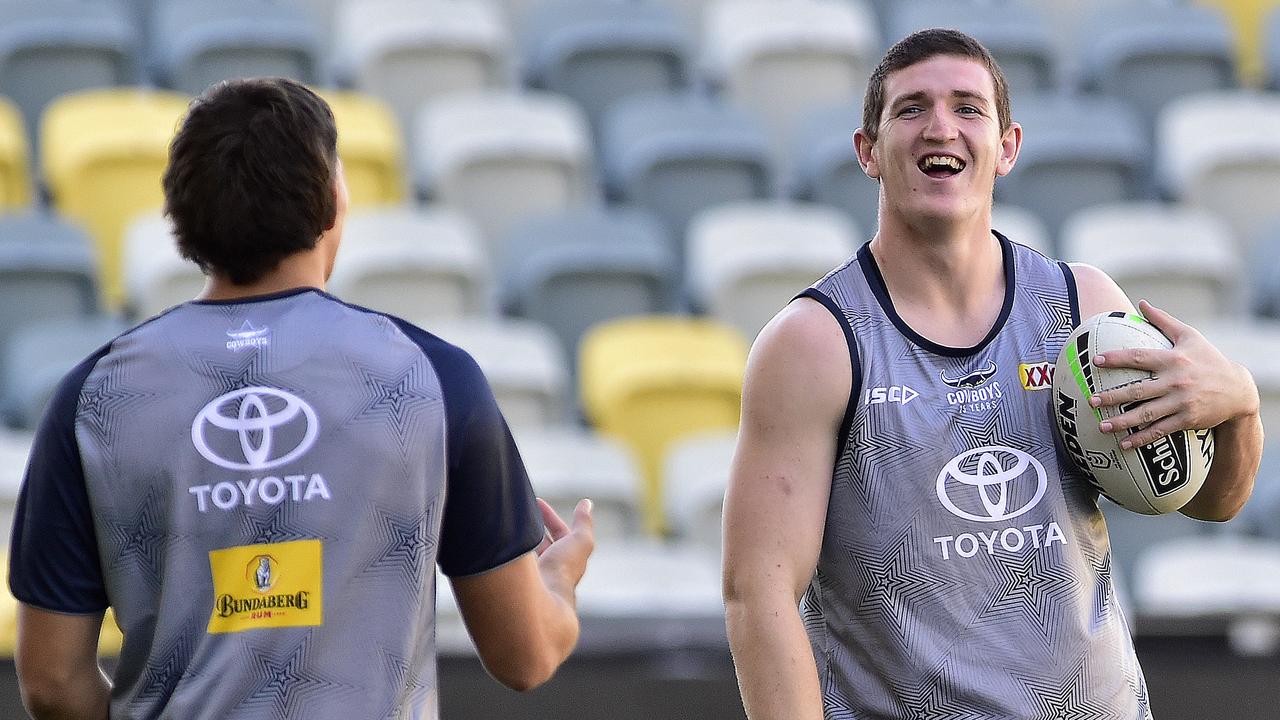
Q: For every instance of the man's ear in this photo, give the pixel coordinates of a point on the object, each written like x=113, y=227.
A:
x=863, y=146
x=1010, y=146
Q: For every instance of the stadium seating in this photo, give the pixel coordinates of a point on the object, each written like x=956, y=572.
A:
x=15, y=445
x=825, y=167
x=47, y=272
x=15, y=170
x=1265, y=273
x=782, y=60
x=371, y=147
x=1017, y=35
x=598, y=52
x=566, y=464
x=156, y=276
x=409, y=51
x=574, y=270
x=1131, y=535
x=678, y=154
x=49, y=48
x=501, y=157
x=420, y=265
x=103, y=153
x=1272, y=51
x=1221, y=151
x=748, y=260
x=1150, y=53
x=1022, y=226
x=1218, y=577
x=1248, y=21
x=1184, y=260
x=1077, y=151
x=196, y=43
x=522, y=362
x=695, y=476
x=652, y=380
x=36, y=357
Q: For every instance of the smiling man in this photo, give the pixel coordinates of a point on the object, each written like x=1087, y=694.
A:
x=897, y=475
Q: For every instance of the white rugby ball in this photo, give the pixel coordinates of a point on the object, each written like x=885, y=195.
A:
x=1153, y=479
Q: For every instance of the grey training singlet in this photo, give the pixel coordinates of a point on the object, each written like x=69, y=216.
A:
x=261, y=490
x=965, y=568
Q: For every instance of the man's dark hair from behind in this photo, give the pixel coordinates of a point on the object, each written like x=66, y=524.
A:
x=250, y=176
x=918, y=47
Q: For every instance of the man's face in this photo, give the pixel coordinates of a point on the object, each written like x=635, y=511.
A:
x=939, y=146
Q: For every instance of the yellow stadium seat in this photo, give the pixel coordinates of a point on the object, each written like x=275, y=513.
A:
x=15, y=178
x=652, y=380
x=1247, y=19
x=103, y=153
x=371, y=148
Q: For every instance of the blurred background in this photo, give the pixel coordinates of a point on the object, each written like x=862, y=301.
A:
x=604, y=201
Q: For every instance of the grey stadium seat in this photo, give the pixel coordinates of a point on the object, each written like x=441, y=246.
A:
x=678, y=154
x=52, y=47
x=196, y=43
x=1017, y=35
x=598, y=52
x=1265, y=267
x=1150, y=53
x=825, y=167
x=1271, y=49
x=573, y=270
x=37, y=356
x=1077, y=151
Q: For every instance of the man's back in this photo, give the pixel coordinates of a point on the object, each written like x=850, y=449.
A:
x=268, y=484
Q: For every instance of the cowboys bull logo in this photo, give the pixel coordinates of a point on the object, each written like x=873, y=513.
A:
x=972, y=379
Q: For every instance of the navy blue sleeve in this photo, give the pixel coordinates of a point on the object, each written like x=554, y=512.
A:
x=53, y=554
x=490, y=515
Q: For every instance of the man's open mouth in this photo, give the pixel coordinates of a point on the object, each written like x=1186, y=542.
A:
x=940, y=166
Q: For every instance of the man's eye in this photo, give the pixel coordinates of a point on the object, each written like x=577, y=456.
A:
x=967, y=110
x=909, y=110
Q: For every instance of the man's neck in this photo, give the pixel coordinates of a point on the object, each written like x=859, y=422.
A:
x=946, y=280
x=300, y=270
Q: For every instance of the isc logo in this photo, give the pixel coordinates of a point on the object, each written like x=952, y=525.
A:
x=893, y=394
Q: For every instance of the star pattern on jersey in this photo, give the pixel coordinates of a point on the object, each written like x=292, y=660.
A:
x=933, y=697
x=1101, y=589
x=397, y=399
x=1051, y=307
x=406, y=678
x=272, y=524
x=165, y=668
x=1067, y=697
x=140, y=541
x=1032, y=590
x=405, y=543
x=870, y=471
x=891, y=583
x=106, y=403
x=235, y=373
x=284, y=681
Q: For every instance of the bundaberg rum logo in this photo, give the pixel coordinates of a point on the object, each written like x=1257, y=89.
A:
x=267, y=585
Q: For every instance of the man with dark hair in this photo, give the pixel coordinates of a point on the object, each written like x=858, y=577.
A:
x=904, y=537
x=261, y=482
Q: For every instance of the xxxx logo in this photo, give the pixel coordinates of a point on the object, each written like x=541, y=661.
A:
x=1036, y=376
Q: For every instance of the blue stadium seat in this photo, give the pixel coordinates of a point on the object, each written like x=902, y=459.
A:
x=1077, y=151
x=573, y=270
x=37, y=356
x=825, y=167
x=1265, y=267
x=1017, y=35
x=598, y=52
x=197, y=43
x=52, y=47
x=1271, y=50
x=678, y=154
x=1150, y=53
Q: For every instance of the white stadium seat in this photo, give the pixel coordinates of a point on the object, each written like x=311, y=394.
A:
x=157, y=277
x=1022, y=226
x=695, y=478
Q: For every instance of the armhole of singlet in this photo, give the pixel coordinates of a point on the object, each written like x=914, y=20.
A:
x=855, y=365
x=1073, y=298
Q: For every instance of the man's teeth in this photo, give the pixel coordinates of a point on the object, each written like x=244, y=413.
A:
x=933, y=161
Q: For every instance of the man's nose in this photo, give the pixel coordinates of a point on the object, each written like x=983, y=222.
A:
x=941, y=126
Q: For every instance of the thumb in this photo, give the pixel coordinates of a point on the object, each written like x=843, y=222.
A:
x=582, y=519
x=1172, y=327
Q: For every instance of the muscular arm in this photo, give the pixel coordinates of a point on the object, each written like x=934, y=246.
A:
x=57, y=662
x=522, y=616
x=1195, y=387
x=794, y=397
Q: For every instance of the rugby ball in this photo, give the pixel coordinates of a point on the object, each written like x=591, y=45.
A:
x=1153, y=479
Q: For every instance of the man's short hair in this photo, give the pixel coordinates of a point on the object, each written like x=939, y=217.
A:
x=918, y=47
x=250, y=178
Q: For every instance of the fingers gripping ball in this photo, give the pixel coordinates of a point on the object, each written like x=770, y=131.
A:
x=1153, y=479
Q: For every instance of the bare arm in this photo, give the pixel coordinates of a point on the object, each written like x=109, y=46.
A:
x=57, y=662
x=1195, y=387
x=794, y=397
x=522, y=616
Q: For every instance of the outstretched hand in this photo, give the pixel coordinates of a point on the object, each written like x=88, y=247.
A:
x=564, y=550
x=1194, y=386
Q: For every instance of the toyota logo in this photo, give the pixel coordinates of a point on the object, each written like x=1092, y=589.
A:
x=262, y=418
x=989, y=480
